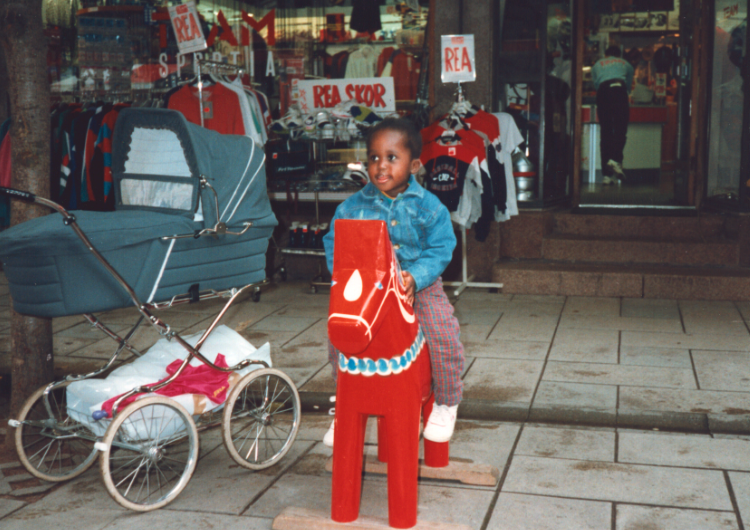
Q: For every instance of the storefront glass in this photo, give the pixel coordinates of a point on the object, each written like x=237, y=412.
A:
x=630, y=103
x=725, y=128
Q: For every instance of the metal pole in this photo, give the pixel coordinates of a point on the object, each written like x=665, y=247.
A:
x=200, y=85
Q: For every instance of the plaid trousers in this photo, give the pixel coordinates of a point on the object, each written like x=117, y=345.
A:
x=435, y=314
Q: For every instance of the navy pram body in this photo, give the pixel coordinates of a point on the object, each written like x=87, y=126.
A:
x=172, y=179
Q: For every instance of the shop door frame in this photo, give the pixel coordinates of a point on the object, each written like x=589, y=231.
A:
x=695, y=80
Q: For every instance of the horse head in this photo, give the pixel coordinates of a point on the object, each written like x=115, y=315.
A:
x=365, y=287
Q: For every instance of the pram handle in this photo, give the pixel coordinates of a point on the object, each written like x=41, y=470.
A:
x=18, y=194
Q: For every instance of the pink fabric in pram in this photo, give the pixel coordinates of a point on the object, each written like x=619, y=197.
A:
x=202, y=379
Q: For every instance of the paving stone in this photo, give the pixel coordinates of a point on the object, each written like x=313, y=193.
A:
x=688, y=488
x=318, y=332
x=84, y=330
x=8, y=506
x=572, y=443
x=682, y=341
x=171, y=519
x=482, y=442
x=507, y=349
x=741, y=487
x=592, y=306
x=576, y=395
x=65, y=345
x=502, y=380
x=539, y=299
x=608, y=374
x=276, y=338
x=480, y=316
x=321, y=382
x=590, y=346
x=715, y=317
x=226, y=480
x=300, y=353
x=534, y=512
x=621, y=323
x=687, y=401
x=642, y=517
x=649, y=356
x=81, y=503
x=682, y=450
x=282, y=323
x=722, y=370
x=650, y=309
x=529, y=329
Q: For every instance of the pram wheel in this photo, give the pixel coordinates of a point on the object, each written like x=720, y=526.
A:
x=54, y=448
x=261, y=418
x=151, y=453
x=255, y=297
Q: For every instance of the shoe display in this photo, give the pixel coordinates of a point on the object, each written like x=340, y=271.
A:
x=343, y=110
x=441, y=423
x=325, y=130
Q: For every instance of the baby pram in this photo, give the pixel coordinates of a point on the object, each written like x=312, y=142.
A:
x=192, y=222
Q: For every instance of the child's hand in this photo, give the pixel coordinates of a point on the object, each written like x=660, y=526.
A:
x=409, y=286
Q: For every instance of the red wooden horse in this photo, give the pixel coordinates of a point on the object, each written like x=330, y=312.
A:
x=383, y=371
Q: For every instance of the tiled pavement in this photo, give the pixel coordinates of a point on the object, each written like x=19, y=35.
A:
x=612, y=374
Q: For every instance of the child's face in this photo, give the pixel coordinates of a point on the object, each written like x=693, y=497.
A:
x=389, y=162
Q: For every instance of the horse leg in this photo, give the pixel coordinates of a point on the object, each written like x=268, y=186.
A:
x=435, y=454
x=347, y=465
x=403, y=465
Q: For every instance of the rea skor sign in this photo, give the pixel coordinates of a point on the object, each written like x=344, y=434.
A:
x=187, y=28
x=457, y=58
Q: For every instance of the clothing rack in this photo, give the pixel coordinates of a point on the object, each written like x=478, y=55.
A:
x=197, y=61
x=466, y=279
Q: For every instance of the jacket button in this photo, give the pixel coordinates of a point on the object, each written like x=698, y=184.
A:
x=394, y=222
x=396, y=246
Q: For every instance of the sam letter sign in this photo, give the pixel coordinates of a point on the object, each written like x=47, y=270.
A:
x=457, y=58
x=187, y=28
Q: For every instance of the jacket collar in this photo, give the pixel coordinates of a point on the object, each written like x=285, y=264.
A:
x=414, y=189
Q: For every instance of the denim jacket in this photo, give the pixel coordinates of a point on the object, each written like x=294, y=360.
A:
x=419, y=226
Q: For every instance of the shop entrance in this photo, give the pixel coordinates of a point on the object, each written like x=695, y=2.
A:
x=634, y=96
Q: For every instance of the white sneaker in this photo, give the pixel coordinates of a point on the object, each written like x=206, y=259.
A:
x=616, y=168
x=609, y=180
x=328, y=438
x=440, y=425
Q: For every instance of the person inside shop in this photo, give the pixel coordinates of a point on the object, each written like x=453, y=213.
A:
x=613, y=77
x=420, y=229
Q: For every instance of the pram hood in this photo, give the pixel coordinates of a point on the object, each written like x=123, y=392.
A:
x=158, y=158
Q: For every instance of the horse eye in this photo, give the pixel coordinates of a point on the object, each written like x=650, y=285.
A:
x=353, y=289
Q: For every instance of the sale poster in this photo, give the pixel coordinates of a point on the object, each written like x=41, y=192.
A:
x=457, y=58
x=187, y=28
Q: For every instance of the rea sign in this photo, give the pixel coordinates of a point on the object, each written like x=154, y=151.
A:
x=187, y=28
x=374, y=92
x=457, y=58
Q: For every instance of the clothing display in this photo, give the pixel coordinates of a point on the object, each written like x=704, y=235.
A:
x=466, y=163
x=404, y=68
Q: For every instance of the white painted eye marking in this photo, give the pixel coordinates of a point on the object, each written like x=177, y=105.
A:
x=353, y=289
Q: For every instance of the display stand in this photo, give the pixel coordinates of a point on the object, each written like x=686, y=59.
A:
x=466, y=279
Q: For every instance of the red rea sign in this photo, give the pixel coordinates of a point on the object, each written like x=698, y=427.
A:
x=186, y=27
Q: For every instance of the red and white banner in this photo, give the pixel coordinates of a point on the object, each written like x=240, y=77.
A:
x=376, y=93
x=457, y=58
x=187, y=27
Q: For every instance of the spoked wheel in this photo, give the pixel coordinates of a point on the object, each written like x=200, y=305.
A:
x=151, y=452
x=53, y=448
x=261, y=418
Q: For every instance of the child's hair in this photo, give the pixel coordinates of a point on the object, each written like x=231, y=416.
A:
x=412, y=138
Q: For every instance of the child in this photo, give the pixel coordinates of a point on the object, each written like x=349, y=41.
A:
x=420, y=229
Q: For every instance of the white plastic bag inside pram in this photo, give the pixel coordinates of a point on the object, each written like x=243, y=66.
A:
x=86, y=397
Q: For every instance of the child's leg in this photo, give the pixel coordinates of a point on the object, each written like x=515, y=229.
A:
x=441, y=330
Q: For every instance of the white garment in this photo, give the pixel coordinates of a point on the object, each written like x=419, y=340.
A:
x=362, y=63
x=247, y=119
x=510, y=138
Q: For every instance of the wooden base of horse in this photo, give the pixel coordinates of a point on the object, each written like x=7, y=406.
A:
x=293, y=518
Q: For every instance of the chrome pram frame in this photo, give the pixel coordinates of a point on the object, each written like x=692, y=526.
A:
x=149, y=451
